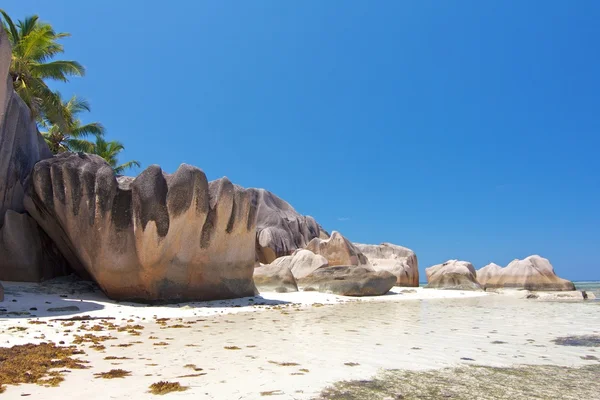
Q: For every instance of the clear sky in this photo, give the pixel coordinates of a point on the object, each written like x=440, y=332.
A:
x=460, y=129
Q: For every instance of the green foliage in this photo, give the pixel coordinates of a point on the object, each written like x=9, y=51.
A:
x=110, y=152
x=34, y=45
x=68, y=133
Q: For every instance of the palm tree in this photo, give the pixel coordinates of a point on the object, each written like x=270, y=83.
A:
x=69, y=135
x=110, y=152
x=34, y=44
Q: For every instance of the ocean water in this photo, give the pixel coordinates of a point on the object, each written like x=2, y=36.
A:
x=589, y=286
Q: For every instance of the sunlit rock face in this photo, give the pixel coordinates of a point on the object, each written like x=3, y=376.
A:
x=338, y=251
x=487, y=272
x=302, y=263
x=153, y=238
x=532, y=273
x=26, y=253
x=274, y=278
x=280, y=229
x=453, y=274
x=400, y=261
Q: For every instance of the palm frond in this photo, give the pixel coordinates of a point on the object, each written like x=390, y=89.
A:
x=130, y=164
x=93, y=128
x=58, y=70
x=78, y=104
x=28, y=25
x=79, y=145
x=12, y=29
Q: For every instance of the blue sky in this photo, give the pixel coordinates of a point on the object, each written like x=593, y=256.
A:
x=460, y=129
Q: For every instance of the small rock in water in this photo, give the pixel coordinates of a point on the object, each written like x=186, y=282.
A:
x=62, y=309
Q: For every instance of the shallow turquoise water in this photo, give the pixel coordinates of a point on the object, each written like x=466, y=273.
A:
x=589, y=286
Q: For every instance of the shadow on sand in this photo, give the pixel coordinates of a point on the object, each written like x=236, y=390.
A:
x=68, y=296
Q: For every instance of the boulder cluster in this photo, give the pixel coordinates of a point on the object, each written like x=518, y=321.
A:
x=162, y=237
x=532, y=273
x=157, y=237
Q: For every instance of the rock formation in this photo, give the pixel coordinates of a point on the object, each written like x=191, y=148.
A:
x=302, y=263
x=26, y=253
x=398, y=260
x=280, y=229
x=338, y=250
x=154, y=238
x=274, y=278
x=349, y=280
x=485, y=273
x=1, y=292
x=532, y=273
x=453, y=274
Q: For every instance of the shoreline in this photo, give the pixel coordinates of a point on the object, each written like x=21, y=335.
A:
x=294, y=345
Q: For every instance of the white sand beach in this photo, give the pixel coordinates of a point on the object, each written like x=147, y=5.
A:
x=288, y=345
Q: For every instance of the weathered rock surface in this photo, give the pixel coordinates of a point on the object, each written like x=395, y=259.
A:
x=338, y=251
x=485, y=273
x=280, y=229
x=532, y=273
x=349, y=280
x=26, y=254
x=157, y=237
x=302, y=263
x=1, y=292
x=453, y=274
x=274, y=278
x=400, y=261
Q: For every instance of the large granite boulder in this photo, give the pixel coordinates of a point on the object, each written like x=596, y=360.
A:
x=26, y=253
x=302, y=263
x=349, y=280
x=155, y=238
x=453, y=274
x=400, y=261
x=338, y=250
x=274, y=278
x=532, y=273
x=485, y=273
x=280, y=229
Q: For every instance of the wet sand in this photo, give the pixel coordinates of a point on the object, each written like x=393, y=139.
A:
x=294, y=345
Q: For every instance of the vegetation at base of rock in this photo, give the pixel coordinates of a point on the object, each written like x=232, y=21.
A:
x=473, y=382
x=113, y=373
x=37, y=363
x=164, y=387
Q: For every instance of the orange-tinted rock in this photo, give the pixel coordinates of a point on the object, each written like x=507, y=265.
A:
x=453, y=274
x=155, y=238
x=485, y=273
x=338, y=250
x=532, y=273
x=400, y=261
